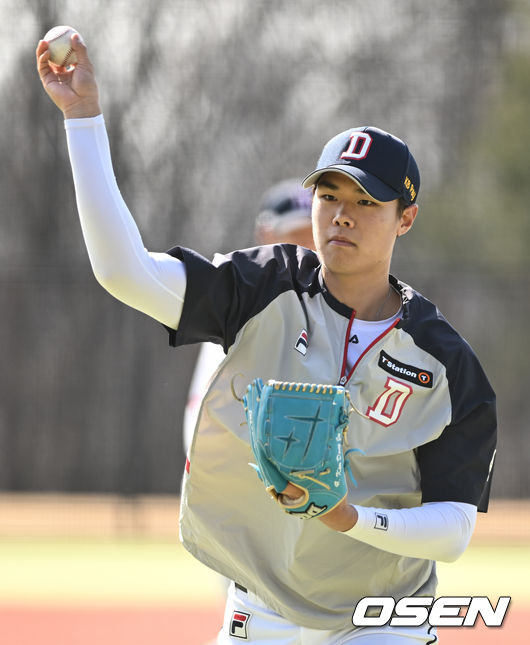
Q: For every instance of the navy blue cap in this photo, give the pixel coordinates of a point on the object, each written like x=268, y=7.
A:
x=378, y=161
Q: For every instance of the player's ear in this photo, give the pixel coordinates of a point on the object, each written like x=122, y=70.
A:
x=407, y=219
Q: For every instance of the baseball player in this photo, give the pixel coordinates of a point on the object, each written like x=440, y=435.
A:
x=284, y=215
x=422, y=429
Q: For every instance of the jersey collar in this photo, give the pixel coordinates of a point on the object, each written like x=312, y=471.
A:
x=404, y=291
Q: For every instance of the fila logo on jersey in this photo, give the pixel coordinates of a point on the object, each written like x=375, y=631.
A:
x=302, y=342
x=354, y=339
x=381, y=522
x=407, y=372
x=238, y=624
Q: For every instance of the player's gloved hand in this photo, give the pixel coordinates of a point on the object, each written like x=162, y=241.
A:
x=297, y=434
x=274, y=481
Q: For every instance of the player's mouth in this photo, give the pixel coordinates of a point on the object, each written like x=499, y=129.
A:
x=340, y=240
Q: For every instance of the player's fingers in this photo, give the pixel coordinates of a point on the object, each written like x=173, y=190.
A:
x=293, y=491
x=79, y=47
x=50, y=75
x=43, y=56
x=42, y=46
x=43, y=60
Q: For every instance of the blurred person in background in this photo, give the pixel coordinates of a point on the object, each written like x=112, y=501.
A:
x=284, y=216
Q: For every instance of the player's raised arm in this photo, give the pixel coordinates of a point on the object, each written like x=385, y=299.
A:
x=150, y=282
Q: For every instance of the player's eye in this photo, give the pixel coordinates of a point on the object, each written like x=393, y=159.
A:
x=366, y=202
x=327, y=197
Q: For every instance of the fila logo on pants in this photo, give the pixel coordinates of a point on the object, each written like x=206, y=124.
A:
x=238, y=624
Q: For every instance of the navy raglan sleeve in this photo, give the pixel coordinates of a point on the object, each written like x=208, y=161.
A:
x=221, y=298
x=458, y=465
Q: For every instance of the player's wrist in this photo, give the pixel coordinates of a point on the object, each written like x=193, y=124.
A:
x=342, y=518
x=82, y=110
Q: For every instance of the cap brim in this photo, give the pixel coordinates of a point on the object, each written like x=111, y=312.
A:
x=373, y=186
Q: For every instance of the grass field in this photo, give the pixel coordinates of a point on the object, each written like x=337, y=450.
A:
x=147, y=572
x=111, y=589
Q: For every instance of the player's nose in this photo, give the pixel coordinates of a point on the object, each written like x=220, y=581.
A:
x=343, y=217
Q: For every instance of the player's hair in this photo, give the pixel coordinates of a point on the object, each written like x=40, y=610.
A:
x=402, y=204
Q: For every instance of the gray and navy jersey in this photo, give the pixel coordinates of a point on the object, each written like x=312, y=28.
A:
x=424, y=428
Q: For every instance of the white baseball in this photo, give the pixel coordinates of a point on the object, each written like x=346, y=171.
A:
x=60, y=46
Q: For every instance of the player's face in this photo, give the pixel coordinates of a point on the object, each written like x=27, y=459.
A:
x=354, y=234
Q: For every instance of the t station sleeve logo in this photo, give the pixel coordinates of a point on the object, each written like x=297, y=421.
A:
x=415, y=375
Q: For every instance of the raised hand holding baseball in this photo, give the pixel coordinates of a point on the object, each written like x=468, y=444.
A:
x=59, y=42
x=71, y=85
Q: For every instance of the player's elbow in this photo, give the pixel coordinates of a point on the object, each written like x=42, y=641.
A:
x=454, y=548
x=456, y=523
x=453, y=553
x=113, y=280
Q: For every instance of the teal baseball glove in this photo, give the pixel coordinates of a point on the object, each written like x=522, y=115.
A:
x=297, y=434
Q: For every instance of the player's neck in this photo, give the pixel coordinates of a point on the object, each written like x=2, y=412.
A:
x=371, y=297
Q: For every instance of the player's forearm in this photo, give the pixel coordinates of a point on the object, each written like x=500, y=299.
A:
x=435, y=531
x=152, y=283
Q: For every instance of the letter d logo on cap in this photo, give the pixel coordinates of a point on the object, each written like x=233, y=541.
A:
x=360, y=143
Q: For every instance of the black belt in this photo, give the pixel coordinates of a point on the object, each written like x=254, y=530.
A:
x=240, y=587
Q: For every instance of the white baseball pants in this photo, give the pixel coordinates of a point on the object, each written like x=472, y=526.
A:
x=248, y=620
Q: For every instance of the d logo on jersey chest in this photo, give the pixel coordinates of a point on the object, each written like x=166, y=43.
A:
x=389, y=405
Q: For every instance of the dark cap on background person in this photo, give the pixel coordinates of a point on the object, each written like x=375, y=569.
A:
x=378, y=161
x=285, y=207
